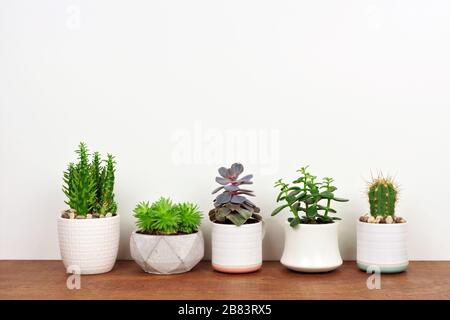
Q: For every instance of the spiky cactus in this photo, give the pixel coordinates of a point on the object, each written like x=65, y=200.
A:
x=382, y=197
x=106, y=202
x=89, y=186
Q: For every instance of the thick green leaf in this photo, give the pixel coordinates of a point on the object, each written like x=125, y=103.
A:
x=293, y=193
x=257, y=216
x=244, y=213
x=291, y=199
x=280, y=196
x=327, y=195
x=335, y=218
x=301, y=196
x=340, y=199
x=236, y=218
x=311, y=211
x=279, y=209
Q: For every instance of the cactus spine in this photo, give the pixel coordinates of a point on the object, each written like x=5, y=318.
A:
x=382, y=197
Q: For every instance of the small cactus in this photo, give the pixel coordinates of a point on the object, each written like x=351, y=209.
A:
x=382, y=197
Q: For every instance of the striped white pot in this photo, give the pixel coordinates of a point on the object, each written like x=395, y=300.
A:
x=89, y=246
x=237, y=249
x=311, y=247
x=382, y=247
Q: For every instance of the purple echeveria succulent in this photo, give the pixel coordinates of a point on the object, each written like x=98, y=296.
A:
x=232, y=204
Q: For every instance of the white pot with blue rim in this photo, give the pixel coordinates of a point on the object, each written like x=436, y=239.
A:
x=382, y=247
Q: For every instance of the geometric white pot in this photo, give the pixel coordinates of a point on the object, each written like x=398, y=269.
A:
x=382, y=247
x=89, y=246
x=311, y=247
x=237, y=249
x=169, y=254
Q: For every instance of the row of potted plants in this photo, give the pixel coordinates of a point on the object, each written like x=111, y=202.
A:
x=168, y=239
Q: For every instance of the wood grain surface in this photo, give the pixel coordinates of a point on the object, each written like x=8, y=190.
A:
x=47, y=280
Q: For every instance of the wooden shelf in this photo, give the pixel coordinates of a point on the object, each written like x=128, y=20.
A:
x=47, y=280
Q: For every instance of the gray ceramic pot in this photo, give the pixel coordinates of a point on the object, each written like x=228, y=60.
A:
x=167, y=254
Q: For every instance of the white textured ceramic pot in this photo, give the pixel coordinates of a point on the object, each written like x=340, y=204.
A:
x=169, y=254
x=382, y=247
x=237, y=249
x=89, y=246
x=311, y=247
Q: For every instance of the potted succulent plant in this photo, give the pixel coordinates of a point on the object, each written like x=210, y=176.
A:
x=311, y=237
x=381, y=235
x=237, y=227
x=168, y=239
x=89, y=232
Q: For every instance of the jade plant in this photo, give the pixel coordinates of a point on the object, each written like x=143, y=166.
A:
x=89, y=186
x=383, y=196
x=163, y=217
x=307, y=199
x=232, y=206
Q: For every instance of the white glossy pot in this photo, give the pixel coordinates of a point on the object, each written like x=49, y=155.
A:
x=311, y=247
x=382, y=246
x=89, y=246
x=237, y=249
x=167, y=254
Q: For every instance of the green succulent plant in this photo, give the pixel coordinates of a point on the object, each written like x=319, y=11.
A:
x=163, y=217
x=89, y=186
x=231, y=206
x=190, y=217
x=105, y=200
x=308, y=200
x=383, y=196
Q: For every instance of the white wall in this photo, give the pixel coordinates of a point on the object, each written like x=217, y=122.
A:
x=345, y=86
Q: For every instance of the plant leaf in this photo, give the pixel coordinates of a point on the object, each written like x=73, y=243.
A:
x=217, y=189
x=311, y=211
x=236, y=169
x=340, y=199
x=223, y=181
x=246, y=178
x=224, y=172
x=294, y=192
x=236, y=218
x=223, y=197
x=291, y=199
x=231, y=188
x=327, y=195
x=279, y=209
x=246, y=214
x=238, y=199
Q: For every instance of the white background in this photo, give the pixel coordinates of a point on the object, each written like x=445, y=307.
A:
x=345, y=86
